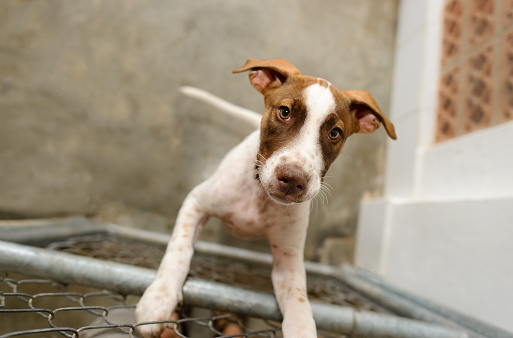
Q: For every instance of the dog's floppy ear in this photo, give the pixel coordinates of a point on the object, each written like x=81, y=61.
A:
x=367, y=114
x=268, y=74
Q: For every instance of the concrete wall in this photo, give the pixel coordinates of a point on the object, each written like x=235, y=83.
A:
x=91, y=117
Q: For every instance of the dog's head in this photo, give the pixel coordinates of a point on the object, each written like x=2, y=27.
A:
x=305, y=125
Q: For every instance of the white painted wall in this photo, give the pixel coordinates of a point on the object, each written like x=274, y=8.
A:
x=444, y=228
x=477, y=165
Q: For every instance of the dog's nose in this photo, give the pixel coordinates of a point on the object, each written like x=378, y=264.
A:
x=291, y=180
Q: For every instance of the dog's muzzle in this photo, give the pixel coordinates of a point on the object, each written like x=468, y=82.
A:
x=289, y=184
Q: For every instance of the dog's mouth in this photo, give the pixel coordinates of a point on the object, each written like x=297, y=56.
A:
x=285, y=199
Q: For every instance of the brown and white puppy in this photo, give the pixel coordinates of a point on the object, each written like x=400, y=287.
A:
x=305, y=125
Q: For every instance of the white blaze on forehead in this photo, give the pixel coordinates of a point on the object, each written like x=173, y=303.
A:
x=305, y=149
x=320, y=103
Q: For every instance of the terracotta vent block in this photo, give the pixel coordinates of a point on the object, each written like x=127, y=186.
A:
x=507, y=12
x=451, y=44
x=482, y=20
x=447, y=106
x=478, y=96
x=507, y=78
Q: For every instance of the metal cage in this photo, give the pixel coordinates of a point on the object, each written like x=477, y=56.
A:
x=119, y=262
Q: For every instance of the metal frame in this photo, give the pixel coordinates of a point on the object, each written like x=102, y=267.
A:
x=427, y=319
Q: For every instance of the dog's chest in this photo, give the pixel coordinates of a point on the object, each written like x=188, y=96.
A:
x=239, y=200
x=249, y=215
x=248, y=212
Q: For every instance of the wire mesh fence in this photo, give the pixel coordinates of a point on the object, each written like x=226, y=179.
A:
x=46, y=308
x=228, y=293
x=228, y=271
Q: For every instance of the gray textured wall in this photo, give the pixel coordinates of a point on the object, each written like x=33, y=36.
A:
x=90, y=112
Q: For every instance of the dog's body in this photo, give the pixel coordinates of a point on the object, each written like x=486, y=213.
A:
x=263, y=187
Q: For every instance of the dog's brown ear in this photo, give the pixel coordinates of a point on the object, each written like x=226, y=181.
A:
x=268, y=74
x=367, y=114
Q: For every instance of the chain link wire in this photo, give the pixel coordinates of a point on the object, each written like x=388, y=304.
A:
x=46, y=308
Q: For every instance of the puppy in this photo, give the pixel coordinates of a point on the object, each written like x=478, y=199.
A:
x=263, y=187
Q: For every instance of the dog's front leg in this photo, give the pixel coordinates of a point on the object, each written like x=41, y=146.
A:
x=162, y=296
x=289, y=282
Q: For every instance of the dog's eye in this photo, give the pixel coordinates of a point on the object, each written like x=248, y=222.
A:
x=284, y=113
x=335, y=134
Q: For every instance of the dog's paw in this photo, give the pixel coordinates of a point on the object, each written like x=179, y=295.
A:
x=156, y=304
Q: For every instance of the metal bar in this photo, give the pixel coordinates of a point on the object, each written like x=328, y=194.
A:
x=364, y=277
x=160, y=238
x=41, y=232
x=327, y=317
x=218, y=250
x=44, y=231
x=74, y=269
x=397, y=303
x=134, y=280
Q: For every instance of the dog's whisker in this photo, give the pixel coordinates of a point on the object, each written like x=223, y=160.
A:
x=314, y=203
x=325, y=184
x=324, y=197
x=319, y=194
x=323, y=193
x=326, y=191
x=258, y=154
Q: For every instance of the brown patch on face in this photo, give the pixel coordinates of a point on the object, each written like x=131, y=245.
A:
x=340, y=119
x=301, y=300
x=331, y=148
x=275, y=133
